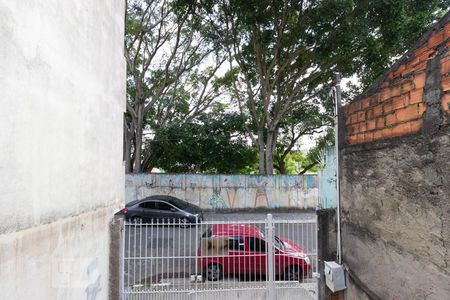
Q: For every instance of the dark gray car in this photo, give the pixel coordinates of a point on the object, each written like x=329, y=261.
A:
x=162, y=209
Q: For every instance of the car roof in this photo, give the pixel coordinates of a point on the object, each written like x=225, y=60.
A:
x=244, y=230
x=161, y=197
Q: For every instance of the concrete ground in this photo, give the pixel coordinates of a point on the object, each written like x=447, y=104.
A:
x=165, y=256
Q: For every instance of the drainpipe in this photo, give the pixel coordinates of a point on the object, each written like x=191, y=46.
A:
x=337, y=97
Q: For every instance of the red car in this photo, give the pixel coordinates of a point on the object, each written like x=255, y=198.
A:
x=240, y=249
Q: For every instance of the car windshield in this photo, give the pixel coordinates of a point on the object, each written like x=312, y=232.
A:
x=276, y=241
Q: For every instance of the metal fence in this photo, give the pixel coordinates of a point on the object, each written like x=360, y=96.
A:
x=270, y=259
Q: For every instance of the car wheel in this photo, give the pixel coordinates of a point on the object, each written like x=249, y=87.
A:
x=184, y=222
x=293, y=273
x=137, y=220
x=214, y=272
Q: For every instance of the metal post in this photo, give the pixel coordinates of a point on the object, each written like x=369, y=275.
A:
x=337, y=90
x=270, y=258
x=196, y=256
x=122, y=259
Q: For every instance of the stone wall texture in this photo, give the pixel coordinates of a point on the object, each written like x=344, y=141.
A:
x=395, y=191
x=61, y=174
x=215, y=191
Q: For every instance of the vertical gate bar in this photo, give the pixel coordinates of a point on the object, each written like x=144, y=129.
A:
x=122, y=260
x=196, y=260
x=317, y=250
x=270, y=252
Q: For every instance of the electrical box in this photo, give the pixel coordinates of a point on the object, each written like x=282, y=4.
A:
x=334, y=276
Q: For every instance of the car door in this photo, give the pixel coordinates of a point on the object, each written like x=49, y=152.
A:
x=148, y=211
x=167, y=212
x=235, y=261
x=257, y=256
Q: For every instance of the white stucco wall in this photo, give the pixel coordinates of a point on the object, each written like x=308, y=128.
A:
x=62, y=95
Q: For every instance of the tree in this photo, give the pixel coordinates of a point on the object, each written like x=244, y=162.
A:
x=213, y=143
x=286, y=51
x=307, y=119
x=165, y=56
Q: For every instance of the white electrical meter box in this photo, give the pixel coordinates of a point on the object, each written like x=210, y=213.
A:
x=334, y=276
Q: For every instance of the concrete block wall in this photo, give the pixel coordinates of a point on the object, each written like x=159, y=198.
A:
x=61, y=174
x=396, y=177
x=211, y=191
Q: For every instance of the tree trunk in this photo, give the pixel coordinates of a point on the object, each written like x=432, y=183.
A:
x=261, y=152
x=269, y=152
x=127, y=137
x=281, y=166
x=138, y=157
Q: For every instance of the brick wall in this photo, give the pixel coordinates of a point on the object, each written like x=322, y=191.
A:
x=395, y=177
x=396, y=105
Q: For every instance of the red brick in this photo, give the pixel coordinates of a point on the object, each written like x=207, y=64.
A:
x=365, y=103
x=388, y=107
x=374, y=99
x=407, y=86
x=446, y=103
x=445, y=65
x=399, y=71
x=361, y=116
x=408, y=113
x=421, y=107
x=348, y=119
x=416, y=96
x=362, y=127
x=445, y=82
x=360, y=137
x=368, y=136
x=419, y=80
x=415, y=67
x=400, y=101
x=371, y=124
x=426, y=55
x=391, y=119
x=401, y=129
x=352, y=139
x=377, y=135
x=369, y=114
x=415, y=125
x=436, y=39
x=421, y=49
x=381, y=123
x=377, y=111
x=447, y=31
x=386, y=132
x=354, y=106
x=395, y=91
x=385, y=94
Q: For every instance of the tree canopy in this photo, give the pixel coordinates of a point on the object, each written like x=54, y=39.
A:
x=276, y=58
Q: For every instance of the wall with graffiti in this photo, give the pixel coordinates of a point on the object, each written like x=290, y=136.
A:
x=327, y=180
x=228, y=191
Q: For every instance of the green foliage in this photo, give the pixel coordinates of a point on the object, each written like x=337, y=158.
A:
x=212, y=143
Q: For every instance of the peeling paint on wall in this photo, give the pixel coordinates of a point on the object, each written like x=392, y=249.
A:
x=228, y=191
x=327, y=180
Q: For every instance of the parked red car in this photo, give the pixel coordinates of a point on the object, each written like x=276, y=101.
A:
x=240, y=249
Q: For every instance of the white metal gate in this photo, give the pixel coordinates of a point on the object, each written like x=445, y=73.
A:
x=267, y=259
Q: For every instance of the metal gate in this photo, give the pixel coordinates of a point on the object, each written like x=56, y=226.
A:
x=267, y=259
